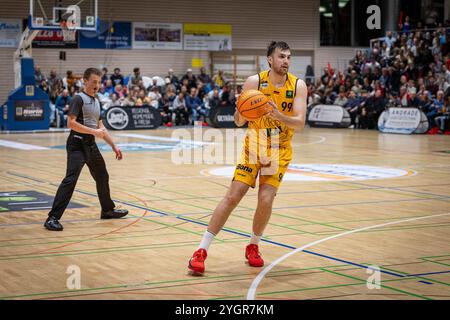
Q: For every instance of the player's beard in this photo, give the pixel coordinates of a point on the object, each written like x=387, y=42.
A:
x=281, y=70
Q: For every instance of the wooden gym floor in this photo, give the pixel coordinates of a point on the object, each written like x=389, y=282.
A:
x=405, y=221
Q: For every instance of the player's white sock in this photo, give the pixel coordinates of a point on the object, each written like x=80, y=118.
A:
x=255, y=239
x=208, y=237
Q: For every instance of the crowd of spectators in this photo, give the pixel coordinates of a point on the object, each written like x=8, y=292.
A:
x=182, y=100
x=410, y=68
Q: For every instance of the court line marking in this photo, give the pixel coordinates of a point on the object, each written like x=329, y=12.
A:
x=252, y=290
x=159, y=138
x=244, y=234
x=20, y=146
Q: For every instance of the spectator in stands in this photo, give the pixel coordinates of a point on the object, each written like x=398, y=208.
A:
x=154, y=96
x=195, y=106
x=117, y=78
x=214, y=100
x=38, y=75
x=219, y=79
x=173, y=79
x=114, y=102
x=366, y=85
x=171, y=92
x=389, y=39
x=225, y=95
x=414, y=101
x=436, y=108
x=120, y=91
x=103, y=95
x=56, y=90
x=165, y=110
x=374, y=106
x=210, y=86
x=442, y=118
x=53, y=78
x=238, y=91
x=425, y=102
x=232, y=98
x=143, y=99
x=154, y=84
x=62, y=106
x=341, y=99
x=131, y=99
x=352, y=106
x=203, y=76
x=431, y=85
x=69, y=80
x=357, y=88
x=404, y=97
x=109, y=86
x=405, y=26
x=136, y=77
x=180, y=109
x=201, y=90
x=104, y=77
x=191, y=79
x=44, y=87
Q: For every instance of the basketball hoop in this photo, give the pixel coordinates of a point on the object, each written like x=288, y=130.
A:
x=68, y=31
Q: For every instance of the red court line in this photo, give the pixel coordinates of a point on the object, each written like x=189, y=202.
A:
x=97, y=236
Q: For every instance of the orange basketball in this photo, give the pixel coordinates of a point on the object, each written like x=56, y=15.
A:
x=252, y=104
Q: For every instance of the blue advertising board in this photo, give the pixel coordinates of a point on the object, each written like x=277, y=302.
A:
x=111, y=35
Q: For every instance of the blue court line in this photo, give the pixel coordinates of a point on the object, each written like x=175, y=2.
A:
x=426, y=282
x=249, y=236
x=426, y=274
x=331, y=205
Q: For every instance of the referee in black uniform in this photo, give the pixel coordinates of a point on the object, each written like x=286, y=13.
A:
x=85, y=124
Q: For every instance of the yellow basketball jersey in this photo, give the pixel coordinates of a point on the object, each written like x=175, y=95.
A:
x=284, y=99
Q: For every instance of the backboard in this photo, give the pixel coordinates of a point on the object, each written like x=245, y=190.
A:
x=78, y=14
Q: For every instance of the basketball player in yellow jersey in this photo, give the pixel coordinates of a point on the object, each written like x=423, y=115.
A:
x=287, y=96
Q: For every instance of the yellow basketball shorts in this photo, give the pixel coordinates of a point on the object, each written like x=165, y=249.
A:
x=270, y=169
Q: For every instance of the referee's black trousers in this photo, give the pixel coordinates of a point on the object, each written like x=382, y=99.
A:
x=81, y=150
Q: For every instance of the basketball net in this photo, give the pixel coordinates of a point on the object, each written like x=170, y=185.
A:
x=68, y=30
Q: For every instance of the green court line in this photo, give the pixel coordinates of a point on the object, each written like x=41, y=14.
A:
x=312, y=222
x=382, y=285
x=248, y=208
x=193, y=279
x=203, y=208
x=252, y=209
x=391, y=229
x=436, y=262
x=397, y=190
x=444, y=255
x=273, y=213
x=209, y=209
x=289, y=291
x=48, y=187
x=83, y=240
x=418, y=277
x=101, y=251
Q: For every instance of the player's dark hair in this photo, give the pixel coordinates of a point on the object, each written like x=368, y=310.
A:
x=276, y=44
x=89, y=71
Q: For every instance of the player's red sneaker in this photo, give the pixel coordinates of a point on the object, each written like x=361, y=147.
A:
x=253, y=256
x=197, y=262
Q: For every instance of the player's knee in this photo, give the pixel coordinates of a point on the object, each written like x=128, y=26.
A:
x=232, y=199
x=266, y=199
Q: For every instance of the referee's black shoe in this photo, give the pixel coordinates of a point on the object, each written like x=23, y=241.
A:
x=114, y=214
x=53, y=224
